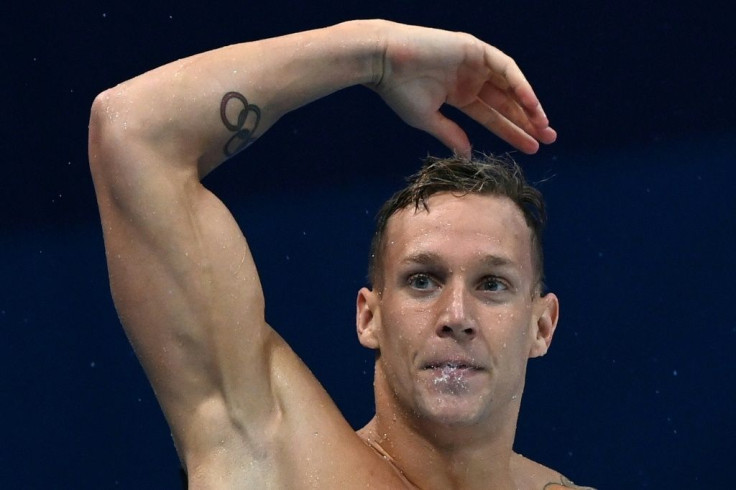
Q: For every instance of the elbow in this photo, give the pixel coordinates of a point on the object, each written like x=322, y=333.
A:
x=118, y=150
x=130, y=136
x=132, y=154
x=105, y=136
x=98, y=146
x=121, y=147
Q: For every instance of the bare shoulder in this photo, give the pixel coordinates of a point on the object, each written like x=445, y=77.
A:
x=532, y=475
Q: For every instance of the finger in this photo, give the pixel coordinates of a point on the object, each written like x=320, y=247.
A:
x=502, y=127
x=449, y=134
x=508, y=106
x=508, y=75
x=547, y=135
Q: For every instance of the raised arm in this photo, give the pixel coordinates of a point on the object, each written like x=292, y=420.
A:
x=416, y=70
x=182, y=276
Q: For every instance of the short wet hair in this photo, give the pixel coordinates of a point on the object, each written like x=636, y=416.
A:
x=484, y=175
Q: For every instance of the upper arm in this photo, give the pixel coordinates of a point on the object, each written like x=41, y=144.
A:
x=188, y=294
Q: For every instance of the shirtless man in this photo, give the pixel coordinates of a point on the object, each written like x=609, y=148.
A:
x=454, y=312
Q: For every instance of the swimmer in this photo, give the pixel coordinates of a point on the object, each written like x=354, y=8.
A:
x=455, y=306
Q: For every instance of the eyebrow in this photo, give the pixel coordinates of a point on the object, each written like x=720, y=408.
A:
x=421, y=258
x=426, y=258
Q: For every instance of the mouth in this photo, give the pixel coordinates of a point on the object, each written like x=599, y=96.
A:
x=451, y=365
x=452, y=377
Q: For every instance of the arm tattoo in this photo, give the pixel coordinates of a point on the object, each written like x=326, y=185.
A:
x=563, y=484
x=247, y=117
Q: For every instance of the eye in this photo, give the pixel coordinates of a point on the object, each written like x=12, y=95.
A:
x=493, y=284
x=421, y=281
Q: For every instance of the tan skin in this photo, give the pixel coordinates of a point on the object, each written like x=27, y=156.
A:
x=243, y=409
x=458, y=288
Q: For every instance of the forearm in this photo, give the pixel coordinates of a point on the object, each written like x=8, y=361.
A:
x=202, y=109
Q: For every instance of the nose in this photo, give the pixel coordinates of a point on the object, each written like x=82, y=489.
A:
x=456, y=319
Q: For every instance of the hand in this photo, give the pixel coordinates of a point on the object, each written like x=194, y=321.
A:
x=426, y=68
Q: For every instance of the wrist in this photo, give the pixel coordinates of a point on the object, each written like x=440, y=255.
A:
x=369, y=45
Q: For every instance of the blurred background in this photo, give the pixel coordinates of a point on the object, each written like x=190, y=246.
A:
x=637, y=390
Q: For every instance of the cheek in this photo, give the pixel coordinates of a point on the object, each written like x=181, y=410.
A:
x=402, y=328
x=510, y=331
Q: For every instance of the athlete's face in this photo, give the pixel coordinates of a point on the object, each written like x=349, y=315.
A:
x=458, y=313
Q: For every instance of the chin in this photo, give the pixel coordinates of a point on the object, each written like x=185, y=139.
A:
x=453, y=410
x=453, y=397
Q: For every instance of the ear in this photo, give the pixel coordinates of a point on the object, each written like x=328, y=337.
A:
x=367, y=318
x=546, y=314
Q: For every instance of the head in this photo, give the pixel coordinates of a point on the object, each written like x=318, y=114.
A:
x=487, y=176
x=456, y=307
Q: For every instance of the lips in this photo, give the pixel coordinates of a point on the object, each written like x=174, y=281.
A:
x=454, y=377
x=453, y=364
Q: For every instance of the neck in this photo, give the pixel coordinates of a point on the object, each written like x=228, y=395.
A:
x=433, y=455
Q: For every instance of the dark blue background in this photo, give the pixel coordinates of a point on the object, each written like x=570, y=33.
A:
x=638, y=389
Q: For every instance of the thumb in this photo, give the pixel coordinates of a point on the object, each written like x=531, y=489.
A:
x=449, y=134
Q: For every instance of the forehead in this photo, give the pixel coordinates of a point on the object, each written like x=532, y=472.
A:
x=460, y=229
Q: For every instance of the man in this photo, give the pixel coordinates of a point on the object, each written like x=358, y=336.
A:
x=454, y=313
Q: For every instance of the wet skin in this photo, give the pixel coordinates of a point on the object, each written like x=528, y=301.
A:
x=457, y=316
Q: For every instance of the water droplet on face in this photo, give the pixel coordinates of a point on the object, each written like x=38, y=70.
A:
x=451, y=379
